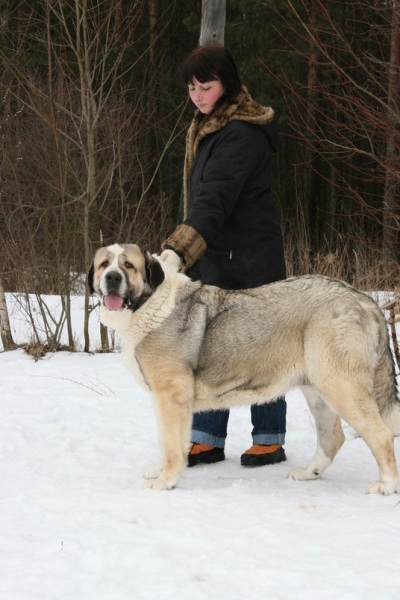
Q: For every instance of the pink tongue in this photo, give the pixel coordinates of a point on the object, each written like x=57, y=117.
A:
x=113, y=301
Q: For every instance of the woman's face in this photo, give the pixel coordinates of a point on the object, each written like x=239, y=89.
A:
x=205, y=95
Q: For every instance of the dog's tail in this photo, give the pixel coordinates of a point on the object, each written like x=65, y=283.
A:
x=386, y=388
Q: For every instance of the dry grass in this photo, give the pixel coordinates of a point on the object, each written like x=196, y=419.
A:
x=38, y=349
x=364, y=266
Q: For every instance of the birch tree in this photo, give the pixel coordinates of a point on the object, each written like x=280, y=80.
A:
x=5, y=329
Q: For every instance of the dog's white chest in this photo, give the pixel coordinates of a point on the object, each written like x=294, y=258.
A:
x=130, y=339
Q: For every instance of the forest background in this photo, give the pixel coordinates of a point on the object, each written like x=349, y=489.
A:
x=92, y=134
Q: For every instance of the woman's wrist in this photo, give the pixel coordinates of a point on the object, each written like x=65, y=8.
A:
x=187, y=243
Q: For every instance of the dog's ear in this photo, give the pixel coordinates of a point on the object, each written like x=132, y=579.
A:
x=90, y=279
x=154, y=272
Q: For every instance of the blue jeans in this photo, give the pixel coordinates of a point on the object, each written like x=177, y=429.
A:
x=268, y=420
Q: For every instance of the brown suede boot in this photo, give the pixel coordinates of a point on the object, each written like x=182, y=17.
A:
x=201, y=453
x=261, y=454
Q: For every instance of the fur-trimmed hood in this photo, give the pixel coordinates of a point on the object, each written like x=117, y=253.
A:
x=244, y=108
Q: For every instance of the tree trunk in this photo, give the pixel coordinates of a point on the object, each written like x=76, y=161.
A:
x=391, y=214
x=5, y=329
x=152, y=29
x=309, y=199
x=213, y=14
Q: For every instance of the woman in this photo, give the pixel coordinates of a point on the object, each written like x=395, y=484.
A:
x=228, y=233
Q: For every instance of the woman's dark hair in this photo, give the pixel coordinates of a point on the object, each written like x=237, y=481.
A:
x=208, y=63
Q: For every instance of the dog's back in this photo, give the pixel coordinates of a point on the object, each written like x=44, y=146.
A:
x=303, y=324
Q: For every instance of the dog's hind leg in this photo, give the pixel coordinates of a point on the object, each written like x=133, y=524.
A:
x=359, y=409
x=380, y=441
x=173, y=397
x=330, y=437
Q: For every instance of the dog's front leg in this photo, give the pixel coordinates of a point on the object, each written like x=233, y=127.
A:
x=173, y=398
x=154, y=471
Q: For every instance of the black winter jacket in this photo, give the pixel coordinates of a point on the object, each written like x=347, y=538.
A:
x=229, y=202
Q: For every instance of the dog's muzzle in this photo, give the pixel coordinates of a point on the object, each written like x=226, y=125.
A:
x=113, y=283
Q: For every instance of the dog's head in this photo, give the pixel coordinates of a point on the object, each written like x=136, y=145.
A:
x=123, y=276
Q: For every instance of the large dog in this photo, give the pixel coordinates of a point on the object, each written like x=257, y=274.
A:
x=198, y=347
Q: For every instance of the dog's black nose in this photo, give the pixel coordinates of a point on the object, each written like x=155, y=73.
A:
x=113, y=279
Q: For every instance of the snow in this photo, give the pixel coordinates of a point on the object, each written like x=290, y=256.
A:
x=76, y=434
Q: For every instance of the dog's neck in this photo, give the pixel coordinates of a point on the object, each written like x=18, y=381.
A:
x=138, y=303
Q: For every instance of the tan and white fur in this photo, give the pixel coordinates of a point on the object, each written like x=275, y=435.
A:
x=197, y=347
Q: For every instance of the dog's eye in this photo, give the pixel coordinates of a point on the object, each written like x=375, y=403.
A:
x=129, y=265
x=104, y=264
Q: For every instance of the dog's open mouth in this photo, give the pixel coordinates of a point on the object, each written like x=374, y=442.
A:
x=113, y=301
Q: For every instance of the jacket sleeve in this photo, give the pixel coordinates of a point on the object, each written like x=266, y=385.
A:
x=231, y=162
x=229, y=166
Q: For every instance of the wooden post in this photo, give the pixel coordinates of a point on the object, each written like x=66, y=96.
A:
x=213, y=14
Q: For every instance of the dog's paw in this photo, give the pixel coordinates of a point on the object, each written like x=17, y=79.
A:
x=153, y=472
x=157, y=484
x=301, y=474
x=384, y=488
x=171, y=259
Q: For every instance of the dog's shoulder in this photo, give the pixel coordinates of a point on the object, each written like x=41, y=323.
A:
x=176, y=291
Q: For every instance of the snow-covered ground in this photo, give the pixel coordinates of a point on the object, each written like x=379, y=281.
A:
x=76, y=434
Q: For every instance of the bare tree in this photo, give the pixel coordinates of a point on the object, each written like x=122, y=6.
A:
x=76, y=171
x=346, y=115
x=391, y=209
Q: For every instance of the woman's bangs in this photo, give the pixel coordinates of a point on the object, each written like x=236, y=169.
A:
x=197, y=68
